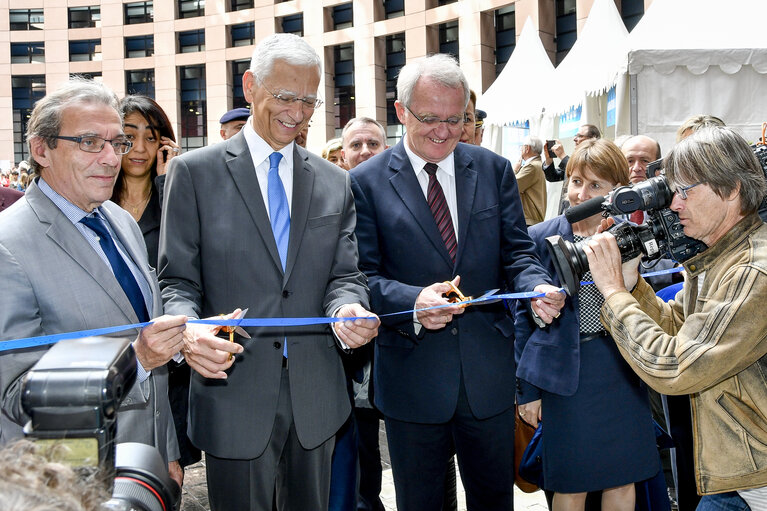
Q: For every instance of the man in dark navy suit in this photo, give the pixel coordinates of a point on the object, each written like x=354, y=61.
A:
x=431, y=210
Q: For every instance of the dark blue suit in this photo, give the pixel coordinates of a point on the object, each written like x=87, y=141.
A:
x=548, y=358
x=468, y=366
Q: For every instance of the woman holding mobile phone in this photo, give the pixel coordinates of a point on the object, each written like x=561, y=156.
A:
x=138, y=188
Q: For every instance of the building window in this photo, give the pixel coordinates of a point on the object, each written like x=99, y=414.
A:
x=87, y=49
x=394, y=8
x=631, y=12
x=140, y=81
x=25, y=91
x=191, y=8
x=448, y=38
x=343, y=69
x=26, y=19
x=395, y=60
x=239, y=5
x=505, y=36
x=193, y=105
x=567, y=31
x=238, y=69
x=343, y=16
x=26, y=53
x=84, y=17
x=293, y=24
x=244, y=34
x=139, y=46
x=139, y=12
x=191, y=41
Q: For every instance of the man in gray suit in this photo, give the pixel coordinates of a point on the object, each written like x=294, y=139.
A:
x=59, y=275
x=257, y=222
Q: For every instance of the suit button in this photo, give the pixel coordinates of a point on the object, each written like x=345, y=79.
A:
x=454, y=331
x=277, y=345
x=285, y=293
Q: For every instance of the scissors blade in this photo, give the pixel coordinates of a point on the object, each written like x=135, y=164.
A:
x=239, y=330
x=489, y=293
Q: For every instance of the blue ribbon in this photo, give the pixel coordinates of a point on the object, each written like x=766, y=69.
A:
x=30, y=342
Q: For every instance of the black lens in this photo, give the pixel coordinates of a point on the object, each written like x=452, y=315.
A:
x=142, y=482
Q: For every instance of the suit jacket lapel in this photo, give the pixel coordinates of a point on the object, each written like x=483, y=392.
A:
x=409, y=190
x=303, y=185
x=137, y=253
x=465, y=188
x=65, y=235
x=240, y=165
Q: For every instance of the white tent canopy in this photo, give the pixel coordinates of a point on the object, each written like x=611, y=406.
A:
x=519, y=91
x=689, y=57
x=593, y=63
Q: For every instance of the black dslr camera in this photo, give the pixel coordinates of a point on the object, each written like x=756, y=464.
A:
x=72, y=395
x=662, y=234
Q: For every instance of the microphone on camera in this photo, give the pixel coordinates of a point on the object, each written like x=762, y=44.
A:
x=584, y=210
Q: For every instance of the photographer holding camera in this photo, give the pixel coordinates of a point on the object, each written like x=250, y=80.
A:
x=710, y=341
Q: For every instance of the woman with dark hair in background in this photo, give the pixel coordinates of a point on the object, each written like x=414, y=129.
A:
x=598, y=432
x=139, y=191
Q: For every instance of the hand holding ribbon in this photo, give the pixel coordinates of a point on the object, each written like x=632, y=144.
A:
x=207, y=354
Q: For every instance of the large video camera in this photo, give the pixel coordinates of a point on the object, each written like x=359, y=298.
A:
x=72, y=396
x=661, y=235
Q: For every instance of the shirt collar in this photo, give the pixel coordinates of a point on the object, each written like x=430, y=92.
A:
x=447, y=165
x=72, y=212
x=260, y=150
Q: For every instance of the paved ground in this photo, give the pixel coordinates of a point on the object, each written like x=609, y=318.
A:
x=195, y=497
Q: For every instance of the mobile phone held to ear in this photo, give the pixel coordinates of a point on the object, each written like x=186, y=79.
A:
x=550, y=147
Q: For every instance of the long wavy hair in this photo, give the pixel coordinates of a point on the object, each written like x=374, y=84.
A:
x=158, y=123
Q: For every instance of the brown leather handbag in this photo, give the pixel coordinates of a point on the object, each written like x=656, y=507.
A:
x=523, y=433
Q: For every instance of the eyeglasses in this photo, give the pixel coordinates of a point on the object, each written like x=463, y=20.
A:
x=288, y=98
x=94, y=144
x=468, y=119
x=682, y=190
x=434, y=121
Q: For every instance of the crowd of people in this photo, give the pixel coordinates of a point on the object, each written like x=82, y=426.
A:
x=112, y=225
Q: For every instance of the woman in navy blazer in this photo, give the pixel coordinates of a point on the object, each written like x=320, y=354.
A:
x=599, y=432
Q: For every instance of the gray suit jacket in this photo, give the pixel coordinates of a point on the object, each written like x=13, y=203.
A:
x=54, y=282
x=217, y=252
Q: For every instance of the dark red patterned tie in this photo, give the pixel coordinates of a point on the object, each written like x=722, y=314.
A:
x=438, y=205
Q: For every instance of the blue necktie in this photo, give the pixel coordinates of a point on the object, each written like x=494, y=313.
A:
x=279, y=215
x=119, y=266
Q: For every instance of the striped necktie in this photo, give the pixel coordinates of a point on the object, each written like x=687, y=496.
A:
x=438, y=205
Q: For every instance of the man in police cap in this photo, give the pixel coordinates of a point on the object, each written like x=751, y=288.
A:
x=233, y=121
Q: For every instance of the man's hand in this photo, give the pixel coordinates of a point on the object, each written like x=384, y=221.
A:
x=517, y=165
x=558, y=149
x=547, y=307
x=530, y=412
x=606, y=267
x=432, y=296
x=159, y=341
x=207, y=354
x=360, y=331
x=176, y=472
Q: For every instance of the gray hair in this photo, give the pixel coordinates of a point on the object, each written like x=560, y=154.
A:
x=535, y=143
x=722, y=159
x=45, y=120
x=286, y=47
x=362, y=120
x=697, y=122
x=442, y=68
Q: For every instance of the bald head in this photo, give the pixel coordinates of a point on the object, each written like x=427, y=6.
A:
x=640, y=150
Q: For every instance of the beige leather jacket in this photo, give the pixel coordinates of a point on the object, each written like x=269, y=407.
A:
x=710, y=343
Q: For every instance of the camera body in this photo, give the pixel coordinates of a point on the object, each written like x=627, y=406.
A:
x=72, y=396
x=661, y=235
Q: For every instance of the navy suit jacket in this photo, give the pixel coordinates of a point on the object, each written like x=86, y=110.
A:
x=548, y=358
x=417, y=377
